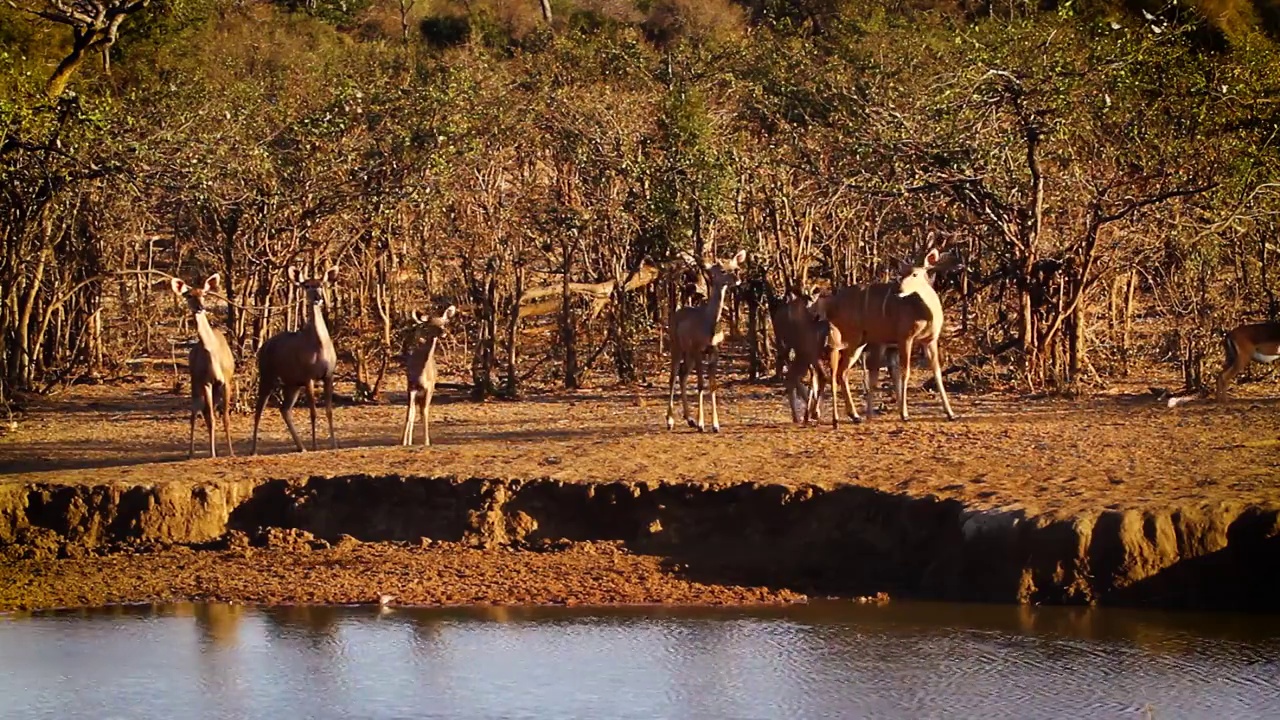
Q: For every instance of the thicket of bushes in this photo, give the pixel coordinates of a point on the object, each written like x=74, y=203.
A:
x=1097, y=166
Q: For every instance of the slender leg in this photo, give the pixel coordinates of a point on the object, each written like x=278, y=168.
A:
x=932, y=351
x=904, y=361
x=702, y=389
x=836, y=360
x=871, y=376
x=406, y=437
x=290, y=399
x=311, y=401
x=207, y=411
x=794, y=380
x=844, y=383
x=264, y=392
x=1231, y=369
x=226, y=418
x=426, y=416
x=671, y=400
x=195, y=410
x=328, y=410
x=684, y=389
x=713, y=366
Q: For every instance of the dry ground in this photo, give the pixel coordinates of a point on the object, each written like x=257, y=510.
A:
x=1111, y=450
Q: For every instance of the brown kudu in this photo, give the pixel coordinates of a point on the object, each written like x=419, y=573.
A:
x=421, y=371
x=1257, y=342
x=695, y=339
x=210, y=363
x=899, y=314
x=292, y=360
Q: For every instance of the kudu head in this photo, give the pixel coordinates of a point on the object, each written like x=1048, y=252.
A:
x=914, y=278
x=195, y=296
x=724, y=273
x=433, y=327
x=314, y=287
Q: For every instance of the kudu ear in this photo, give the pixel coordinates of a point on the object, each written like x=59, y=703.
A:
x=418, y=318
x=931, y=258
x=448, y=313
x=331, y=275
x=213, y=282
x=179, y=287
x=738, y=258
x=295, y=275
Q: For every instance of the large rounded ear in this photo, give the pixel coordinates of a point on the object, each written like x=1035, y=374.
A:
x=295, y=275
x=738, y=259
x=931, y=257
x=448, y=313
x=179, y=287
x=331, y=275
x=905, y=268
x=418, y=318
x=212, y=282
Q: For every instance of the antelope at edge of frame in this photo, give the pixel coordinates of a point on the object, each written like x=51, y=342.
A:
x=421, y=371
x=695, y=338
x=293, y=359
x=901, y=314
x=210, y=363
x=1255, y=342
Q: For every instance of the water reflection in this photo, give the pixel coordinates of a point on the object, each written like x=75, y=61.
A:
x=820, y=660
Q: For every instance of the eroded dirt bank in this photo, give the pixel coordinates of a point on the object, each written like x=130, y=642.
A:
x=445, y=540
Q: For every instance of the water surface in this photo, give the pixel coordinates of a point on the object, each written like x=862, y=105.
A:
x=826, y=660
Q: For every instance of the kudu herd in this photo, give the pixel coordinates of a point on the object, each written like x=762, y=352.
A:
x=820, y=336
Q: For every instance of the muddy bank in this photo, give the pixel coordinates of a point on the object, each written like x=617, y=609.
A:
x=346, y=538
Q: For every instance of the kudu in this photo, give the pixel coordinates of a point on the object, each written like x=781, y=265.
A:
x=1258, y=342
x=899, y=314
x=801, y=340
x=695, y=340
x=293, y=359
x=421, y=371
x=210, y=363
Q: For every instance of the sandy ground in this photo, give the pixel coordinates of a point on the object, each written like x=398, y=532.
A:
x=345, y=573
x=1121, y=449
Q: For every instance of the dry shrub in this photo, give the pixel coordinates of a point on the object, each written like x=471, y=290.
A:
x=706, y=20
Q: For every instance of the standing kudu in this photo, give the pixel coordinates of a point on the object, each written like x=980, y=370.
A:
x=421, y=370
x=1258, y=342
x=210, y=363
x=900, y=314
x=801, y=339
x=293, y=360
x=695, y=341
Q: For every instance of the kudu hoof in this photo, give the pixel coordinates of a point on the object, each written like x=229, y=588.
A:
x=715, y=428
x=671, y=423
x=693, y=424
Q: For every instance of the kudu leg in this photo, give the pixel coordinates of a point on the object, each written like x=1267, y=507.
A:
x=904, y=362
x=671, y=400
x=226, y=418
x=702, y=389
x=850, y=406
x=311, y=401
x=425, y=403
x=1229, y=372
x=328, y=411
x=931, y=350
x=207, y=412
x=289, y=400
x=195, y=410
x=871, y=377
x=264, y=393
x=406, y=437
x=684, y=390
x=713, y=367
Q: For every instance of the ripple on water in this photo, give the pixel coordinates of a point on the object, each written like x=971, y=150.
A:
x=825, y=660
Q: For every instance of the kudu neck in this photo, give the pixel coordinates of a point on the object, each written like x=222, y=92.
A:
x=315, y=320
x=204, y=330
x=715, y=305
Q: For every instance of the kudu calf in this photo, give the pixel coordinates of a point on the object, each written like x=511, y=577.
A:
x=293, y=360
x=1258, y=342
x=421, y=371
x=695, y=341
x=210, y=363
x=899, y=314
